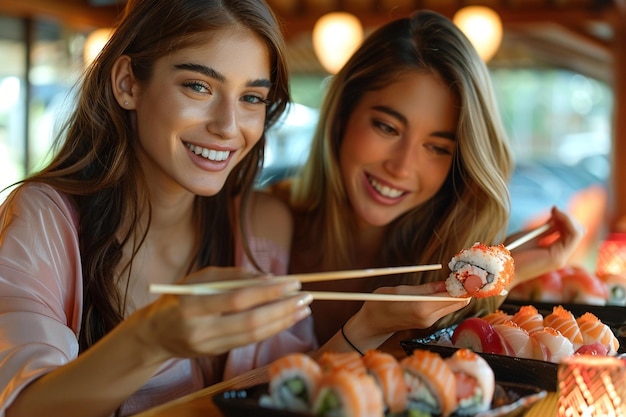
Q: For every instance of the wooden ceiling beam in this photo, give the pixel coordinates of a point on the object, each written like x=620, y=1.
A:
x=74, y=13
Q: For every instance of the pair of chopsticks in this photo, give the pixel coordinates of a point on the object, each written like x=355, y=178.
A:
x=528, y=236
x=221, y=286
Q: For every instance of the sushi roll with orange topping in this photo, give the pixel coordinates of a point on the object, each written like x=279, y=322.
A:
x=293, y=382
x=431, y=383
x=475, y=382
x=389, y=376
x=480, y=271
x=343, y=393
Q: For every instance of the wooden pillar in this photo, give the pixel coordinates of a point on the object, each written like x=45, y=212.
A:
x=617, y=215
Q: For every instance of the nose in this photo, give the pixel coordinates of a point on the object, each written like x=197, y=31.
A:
x=223, y=118
x=402, y=159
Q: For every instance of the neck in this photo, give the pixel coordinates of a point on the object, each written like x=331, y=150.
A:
x=368, y=242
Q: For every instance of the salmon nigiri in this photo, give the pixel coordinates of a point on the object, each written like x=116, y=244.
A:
x=593, y=330
x=431, y=383
x=388, y=374
x=497, y=317
x=564, y=321
x=528, y=318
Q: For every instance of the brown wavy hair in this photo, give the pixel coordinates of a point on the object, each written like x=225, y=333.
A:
x=473, y=203
x=96, y=161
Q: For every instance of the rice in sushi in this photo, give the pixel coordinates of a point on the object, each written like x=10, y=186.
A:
x=480, y=271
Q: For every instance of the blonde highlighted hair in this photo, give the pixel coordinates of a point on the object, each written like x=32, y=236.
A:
x=472, y=205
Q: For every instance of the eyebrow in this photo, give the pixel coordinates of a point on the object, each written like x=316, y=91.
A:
x=394, y=113
x=216, y=75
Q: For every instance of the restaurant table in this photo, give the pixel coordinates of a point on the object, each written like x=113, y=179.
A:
x=200, y=403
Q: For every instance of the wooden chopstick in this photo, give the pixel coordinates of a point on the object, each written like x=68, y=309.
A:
x=221, y=286
x=528, y=236
x=361, y=273
x=357, y=296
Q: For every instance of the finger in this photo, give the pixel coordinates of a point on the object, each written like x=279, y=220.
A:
x=253, y=325
x=240, y=299
x=210, y=274
x=429, y=288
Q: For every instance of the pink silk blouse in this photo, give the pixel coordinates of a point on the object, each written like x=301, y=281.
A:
x=41, y=305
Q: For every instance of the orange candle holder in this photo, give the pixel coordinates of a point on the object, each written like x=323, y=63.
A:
x=611, y=258
x=592, y=386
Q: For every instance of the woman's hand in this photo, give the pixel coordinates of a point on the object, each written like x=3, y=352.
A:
x=194, y=325
x=549, y=252
x=376, y=321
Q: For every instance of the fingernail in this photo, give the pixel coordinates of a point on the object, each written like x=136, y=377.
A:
x=303, y=313
x=292, y=286
x=304, y=300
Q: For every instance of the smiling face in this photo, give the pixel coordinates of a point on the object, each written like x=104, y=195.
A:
x=398, y=146
x=203, y=110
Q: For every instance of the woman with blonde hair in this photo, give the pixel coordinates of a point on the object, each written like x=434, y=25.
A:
x=409, y=165
x=152, y=184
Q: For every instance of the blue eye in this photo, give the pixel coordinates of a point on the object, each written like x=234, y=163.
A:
x=254, y=99
x=197, y=86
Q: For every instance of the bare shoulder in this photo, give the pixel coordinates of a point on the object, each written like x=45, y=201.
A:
x=270, y=218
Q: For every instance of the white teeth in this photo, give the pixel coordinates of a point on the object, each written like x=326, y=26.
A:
x=385, y=190
x=209, y=154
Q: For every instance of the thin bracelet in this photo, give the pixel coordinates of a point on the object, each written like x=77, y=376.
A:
x=348, y=340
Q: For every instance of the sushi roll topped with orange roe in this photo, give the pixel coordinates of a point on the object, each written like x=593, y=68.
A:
x=480, y=271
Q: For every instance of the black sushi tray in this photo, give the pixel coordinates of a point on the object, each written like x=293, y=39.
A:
x=510, y=400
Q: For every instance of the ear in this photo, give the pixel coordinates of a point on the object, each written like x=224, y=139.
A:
x=125, y=87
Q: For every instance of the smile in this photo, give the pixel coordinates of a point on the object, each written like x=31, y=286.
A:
x=210, y=154
x=384, y=190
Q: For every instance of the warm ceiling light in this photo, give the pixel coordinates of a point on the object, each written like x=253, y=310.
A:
x=483, y=28
x=336, y=36
x=94, y=43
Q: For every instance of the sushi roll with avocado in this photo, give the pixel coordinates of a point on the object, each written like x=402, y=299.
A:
x=294, y=381
x=346, y=394
x=480, y=271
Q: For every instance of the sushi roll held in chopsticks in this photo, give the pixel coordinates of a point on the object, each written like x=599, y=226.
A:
x=480, y=271
x=475, y=382
x=294, y=381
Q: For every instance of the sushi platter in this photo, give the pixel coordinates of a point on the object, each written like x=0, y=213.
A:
x=510, y=400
